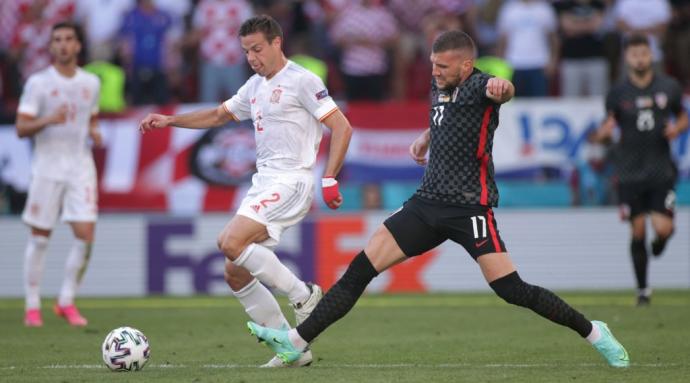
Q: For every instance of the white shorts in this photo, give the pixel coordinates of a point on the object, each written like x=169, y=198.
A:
x=278, y=202
x=77, y=199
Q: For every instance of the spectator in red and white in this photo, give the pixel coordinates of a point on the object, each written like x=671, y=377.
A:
x=649, y=17
x=584, y=70
x=364, y=31
x=101, y=21
x=216, y=24
x=529, y=42
x=29, y=46
x=9, y=18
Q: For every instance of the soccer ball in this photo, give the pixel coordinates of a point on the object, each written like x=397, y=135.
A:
x=126, y=349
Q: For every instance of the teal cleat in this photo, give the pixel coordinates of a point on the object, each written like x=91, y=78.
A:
x=276, y=340
x=610, y=348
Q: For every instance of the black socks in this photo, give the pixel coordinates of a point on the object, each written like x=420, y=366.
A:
x=340, y=299
x=542, y=301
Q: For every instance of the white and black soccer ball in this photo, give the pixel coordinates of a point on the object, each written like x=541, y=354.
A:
x=126, y=349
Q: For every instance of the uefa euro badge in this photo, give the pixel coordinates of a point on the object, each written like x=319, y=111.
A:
x=275, y=96
x=661, y=100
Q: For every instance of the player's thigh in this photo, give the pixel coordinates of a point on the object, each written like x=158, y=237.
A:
x=43, y=203
x=80, y=203
x=475, y=229
x=495, y=265
x=239, y=233
x=633, y=200
x=83, y=230
x=411, y=230
x=662, y=199
x=277, y=203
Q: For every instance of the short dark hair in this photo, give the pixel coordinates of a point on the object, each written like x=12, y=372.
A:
x=68, y=25
x=453, y=40
x=636, y=40
x=264, y=24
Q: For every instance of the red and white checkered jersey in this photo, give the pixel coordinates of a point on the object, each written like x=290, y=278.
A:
x=376, y=25
x=286, y=111
x=219, y=22
x=61, y=149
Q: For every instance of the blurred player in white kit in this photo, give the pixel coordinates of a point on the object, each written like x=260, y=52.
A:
x=58, y=110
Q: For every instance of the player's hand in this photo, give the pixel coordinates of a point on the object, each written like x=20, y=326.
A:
x=60, y=116
x=496, y=88
x=96, y=137
x=154, y=121
x=671, y=131
x=418, y=150
x=331, y=193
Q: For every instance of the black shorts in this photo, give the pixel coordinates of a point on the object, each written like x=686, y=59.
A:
x=421, y=225
x=644, y=197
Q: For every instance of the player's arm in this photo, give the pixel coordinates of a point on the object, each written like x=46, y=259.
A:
x=95, y=131
x=499, y=90
x=341, y=132
x=676, y=128
x=605, y=131
x=420, y=146
x=28, y=125
x=201, y=119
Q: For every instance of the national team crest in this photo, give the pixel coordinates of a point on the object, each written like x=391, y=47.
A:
x=275, y=96
x=661, y=100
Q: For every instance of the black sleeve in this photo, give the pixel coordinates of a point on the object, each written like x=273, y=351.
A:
x=611, y=102
x=675, y=97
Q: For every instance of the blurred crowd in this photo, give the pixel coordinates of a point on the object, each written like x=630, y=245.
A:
x=168, y=51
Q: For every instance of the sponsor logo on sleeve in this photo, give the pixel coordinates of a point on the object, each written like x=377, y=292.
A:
x=322, y=94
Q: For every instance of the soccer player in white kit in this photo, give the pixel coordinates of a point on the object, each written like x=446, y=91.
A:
x=287, y=105
x=58, y=109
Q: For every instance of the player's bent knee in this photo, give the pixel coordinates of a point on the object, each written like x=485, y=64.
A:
x=512, y=289
x=230, y=246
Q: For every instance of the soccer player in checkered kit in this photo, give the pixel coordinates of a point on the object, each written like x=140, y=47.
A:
x=648, y=109
x=287, y=105
x=454, y=202
x=58, y=109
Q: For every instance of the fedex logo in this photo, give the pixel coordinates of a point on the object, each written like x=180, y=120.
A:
x=316, y=250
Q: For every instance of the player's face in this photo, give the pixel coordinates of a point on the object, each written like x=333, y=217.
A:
x=64, y=45
x=262, y=56
x=450, y=68
x=639, y=59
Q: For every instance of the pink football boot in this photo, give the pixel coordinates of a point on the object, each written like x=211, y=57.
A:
x=32, y=318
x=71, y=315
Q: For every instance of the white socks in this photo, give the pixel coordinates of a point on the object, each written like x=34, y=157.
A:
x=265, y=266
x=261, y=305
x=34, y=256
x=77, y=260
x=595, y=335
x=297, y=340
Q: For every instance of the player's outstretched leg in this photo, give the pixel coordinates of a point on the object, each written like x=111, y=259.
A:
x=547, y=304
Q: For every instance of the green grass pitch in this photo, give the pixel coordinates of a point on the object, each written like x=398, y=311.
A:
x=386, y=338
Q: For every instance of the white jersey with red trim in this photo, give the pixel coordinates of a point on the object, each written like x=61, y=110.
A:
x=287, y=111
x=60, y=150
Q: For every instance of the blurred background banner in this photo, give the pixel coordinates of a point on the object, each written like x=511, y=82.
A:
x=540, y=147
x=139, y=255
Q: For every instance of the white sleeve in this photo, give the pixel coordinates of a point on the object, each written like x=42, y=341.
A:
x=97, y=99
x=314, y=97
x=30, y=101
x=238, y=105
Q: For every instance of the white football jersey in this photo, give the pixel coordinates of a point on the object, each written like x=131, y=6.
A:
x=60, y=150
x=287, y=111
